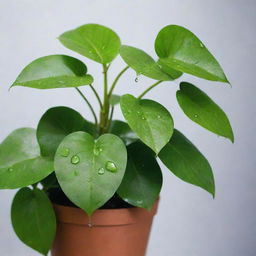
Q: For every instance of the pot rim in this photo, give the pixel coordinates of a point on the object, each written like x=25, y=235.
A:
x=103, y=217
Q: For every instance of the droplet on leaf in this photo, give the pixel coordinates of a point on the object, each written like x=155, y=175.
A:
x=101, y=171
x=65, y=152
x=195, y=115
x=10, y=169
x=111, y=167
x=75, y=159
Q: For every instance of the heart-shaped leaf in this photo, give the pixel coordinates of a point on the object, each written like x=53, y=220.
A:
x=180, y=49
x=151, y=121
x=92, y=171
x=202, y=110
x=54, y=71
x=142, y=181
x=33, y=219
x=93, y=41
x=182, y=158
x=20, y=161
x=122, y=130
x=56, y=124
x=142, y=63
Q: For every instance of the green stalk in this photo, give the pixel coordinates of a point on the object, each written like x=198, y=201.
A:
x=89, y=105
x=116, y=80
x=105, y=108
x=96, y=94
x=149, y=88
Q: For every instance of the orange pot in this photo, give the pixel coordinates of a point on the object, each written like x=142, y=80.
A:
x=110, y=232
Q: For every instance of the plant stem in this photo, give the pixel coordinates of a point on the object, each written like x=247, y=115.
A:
x=105, y=108
x=96, y=94
x=89, y=105
x=110, y=117
x=149, y=88
x=116, y=80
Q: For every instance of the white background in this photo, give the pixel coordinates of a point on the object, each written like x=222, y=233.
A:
x=189, y=222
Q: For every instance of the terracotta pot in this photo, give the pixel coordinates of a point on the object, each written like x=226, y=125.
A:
x=117, y=232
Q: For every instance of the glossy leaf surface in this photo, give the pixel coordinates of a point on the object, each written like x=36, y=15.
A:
x=33, y=219
x=20, y=161
x=56, y=124
x=151, y=122
x=182, y=158
x=93, y=41
x=54, y=71
x=142, y=63
x=203, y=110
x=93, y=171
x=180, y=49
x=142, y=181
x=122, y=130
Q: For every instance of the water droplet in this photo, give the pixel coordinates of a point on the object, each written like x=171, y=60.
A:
x=158, y=116
x=110, y=166
x=96, y=151
x=195, y=115
x=140, y=202
x=75, y=159
x=143, y=118
x=64, y=152
x=101, y=171
x=138, y=112
x=10, y=169
x=136, y=80
x=201, y=45
x=90, y=225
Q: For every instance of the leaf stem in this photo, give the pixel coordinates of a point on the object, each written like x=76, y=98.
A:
x=110, y=117
x=89, y=105
x=97, y=95
x=149, y=88
x=116, y=80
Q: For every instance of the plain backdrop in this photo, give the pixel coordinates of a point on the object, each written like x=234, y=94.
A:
x=189, y=221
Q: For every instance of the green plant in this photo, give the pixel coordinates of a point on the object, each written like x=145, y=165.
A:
x=108, y=162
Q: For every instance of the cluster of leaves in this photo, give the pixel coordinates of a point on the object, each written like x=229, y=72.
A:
x=93, y=161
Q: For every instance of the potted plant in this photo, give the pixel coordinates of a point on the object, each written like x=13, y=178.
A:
x=101, y=180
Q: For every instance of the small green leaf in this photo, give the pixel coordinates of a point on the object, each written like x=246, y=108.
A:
x=114, y=99
x=151, y=121
x=202, y=110
x=56, y=124
x=93, y=171
x=122, y=130
x=180, y=49
x=33, y=219
x=142, y=63
x=182, y=158
x=20, y=161
x=54, y=71
x=93, y=41
x=142, y=181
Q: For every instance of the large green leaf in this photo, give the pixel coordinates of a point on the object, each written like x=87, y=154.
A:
x=142, y=181
x=33, y=219
x=56, y=124
x=180, y=49
x=142, y=63
x=93, y=170
x=183, y=159
x=93, y=41
x=151, y=122
x=20, y=161
x=122, y=130
x=54, y=71
x=202, y=110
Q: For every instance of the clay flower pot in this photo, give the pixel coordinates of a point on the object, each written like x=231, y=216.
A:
x=110, y=232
